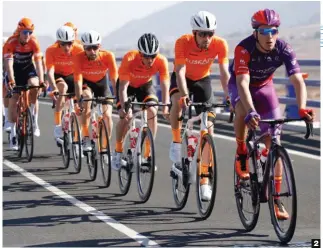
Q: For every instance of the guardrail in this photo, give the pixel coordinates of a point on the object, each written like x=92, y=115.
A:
x=289, y=99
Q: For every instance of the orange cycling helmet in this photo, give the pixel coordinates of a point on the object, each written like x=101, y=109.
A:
x=25, y=24
x=69, y=24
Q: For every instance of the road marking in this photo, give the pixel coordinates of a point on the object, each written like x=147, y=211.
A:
x=302, y=154
x=142, y=240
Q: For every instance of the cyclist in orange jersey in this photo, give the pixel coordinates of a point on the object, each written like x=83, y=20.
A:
x=59, y=61
x=135, y=79
x=69, y=24
x=90, y=69
x=18, y=52
x=194, y=56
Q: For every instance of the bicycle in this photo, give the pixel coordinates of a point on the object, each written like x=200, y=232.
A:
x=24, y=122
x=138, y=152
x=190, y=169
x=99, y=141
x=71, y=139
x=261, y=185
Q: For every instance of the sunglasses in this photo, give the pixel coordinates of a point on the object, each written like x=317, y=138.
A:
x=204, y=34
x=69, y=43
x=267, y=31
x=89, y=48
x=149, y=56
x=25, y=32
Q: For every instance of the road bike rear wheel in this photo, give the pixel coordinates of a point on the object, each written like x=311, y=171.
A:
x=181, y=185
x=29, y=135
x=246, y=193
x=20, y=134
x=284, y=228
x=146, y=165
x=104, y=151
x=205, y=207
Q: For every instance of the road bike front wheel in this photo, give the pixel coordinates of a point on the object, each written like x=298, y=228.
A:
x=104, y=152
x=282, y=194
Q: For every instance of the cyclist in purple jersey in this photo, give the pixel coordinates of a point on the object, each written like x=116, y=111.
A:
x=252, y=92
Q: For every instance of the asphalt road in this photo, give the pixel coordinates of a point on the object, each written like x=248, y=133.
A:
x=56, y=207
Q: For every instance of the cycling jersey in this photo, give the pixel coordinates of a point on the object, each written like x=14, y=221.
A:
x=22, y=54
x=62, y=62
x=198, y=62
x=95, y=70
x=261, y=66
x=133, y=70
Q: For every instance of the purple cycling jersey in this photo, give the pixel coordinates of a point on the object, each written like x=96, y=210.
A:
x=261, y=66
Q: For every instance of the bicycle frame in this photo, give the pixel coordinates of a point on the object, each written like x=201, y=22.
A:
x=203, y=129
x=22, y=105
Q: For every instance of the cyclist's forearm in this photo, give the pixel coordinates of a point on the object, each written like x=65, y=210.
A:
x=123, y=86
x=181, y=80
x=165, y=91
x=244, y=93
x=300, y=90
x=39, y=70
x=51, y=78
x=224, y=77
x=113, y=83
x=9, y=69
x=78, y=89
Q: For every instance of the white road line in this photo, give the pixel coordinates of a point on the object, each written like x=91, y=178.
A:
x=142, y=240
x=302, y=154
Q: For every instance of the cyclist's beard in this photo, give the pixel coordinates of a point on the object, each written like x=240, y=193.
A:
x=92, y=57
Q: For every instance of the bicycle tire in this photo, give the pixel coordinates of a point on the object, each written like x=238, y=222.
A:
x=76, y=142
x=29, y=134
x=180, y=203
x=20, y=134
x=65, y=151
x=105, y=176
x=207, y=138
x=124, y=187
x=92, y=162
x=249, y=225
x=144, y=196
x=284, y=237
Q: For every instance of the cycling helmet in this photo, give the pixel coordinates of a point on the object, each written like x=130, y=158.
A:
x=25, y=24
x=265, y=17
x=203, y=21
x=65, y=34
x=148, y=44
x=91, y=38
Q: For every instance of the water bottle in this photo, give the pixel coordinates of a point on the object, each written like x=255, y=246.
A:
x=94, y=126
x=133, y=139
x=191, y=145
x=261, y=164
x=66, y=121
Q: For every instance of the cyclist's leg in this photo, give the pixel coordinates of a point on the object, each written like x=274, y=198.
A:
x=86, y=93
x=240, y=129
x=33, y=80
x=175, y=113
x=202, y=92
x=5, y=103
x=268, y=108
x=62, y=85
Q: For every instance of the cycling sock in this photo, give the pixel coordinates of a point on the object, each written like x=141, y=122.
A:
x=57, y=118
x=13, y=129
x=85, y=131
x=205, y=169
x=6, y=113
x=36, y=120
x=241, y=146
x=176, y=135
x=278, y=182
x=147, y=148
x=119, y=146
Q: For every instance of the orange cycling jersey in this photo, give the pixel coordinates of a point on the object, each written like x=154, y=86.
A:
x=22, y=54
x=62, y=62
x=198, y=62
x=95, y=70
x=133, y=70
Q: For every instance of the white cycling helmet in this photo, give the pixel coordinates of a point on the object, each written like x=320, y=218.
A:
x=203, y=21
x=91, y=38
x=65, y=34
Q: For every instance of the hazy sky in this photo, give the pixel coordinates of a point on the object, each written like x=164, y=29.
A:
x=102, y=16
